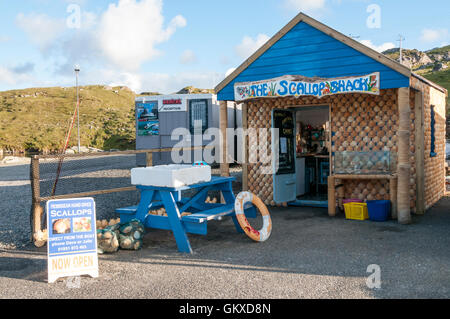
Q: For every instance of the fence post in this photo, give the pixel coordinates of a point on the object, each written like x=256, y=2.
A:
x=149, y=159
x=36, y=209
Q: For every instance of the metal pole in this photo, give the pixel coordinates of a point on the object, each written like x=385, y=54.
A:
x=78, y=112
x=401, y=39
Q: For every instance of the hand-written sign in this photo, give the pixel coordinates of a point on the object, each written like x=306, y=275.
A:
x=302, y=86
x=72, y=238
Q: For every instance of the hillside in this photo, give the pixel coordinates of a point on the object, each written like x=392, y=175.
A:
x=442, y=78
x=37, y=119
x=433, y=64
x=433, y=60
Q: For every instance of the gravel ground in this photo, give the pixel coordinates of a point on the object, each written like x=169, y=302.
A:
x=309, y=255
x=77, y=176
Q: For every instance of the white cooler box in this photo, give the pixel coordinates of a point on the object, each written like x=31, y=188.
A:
x=170, y=175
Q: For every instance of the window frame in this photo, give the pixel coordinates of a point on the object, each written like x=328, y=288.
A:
x=433, y=131
x=205, y=125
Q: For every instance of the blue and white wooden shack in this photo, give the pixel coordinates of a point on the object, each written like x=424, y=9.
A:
x=375, y=105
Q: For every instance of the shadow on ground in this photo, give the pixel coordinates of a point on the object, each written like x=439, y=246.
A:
x=306, y=248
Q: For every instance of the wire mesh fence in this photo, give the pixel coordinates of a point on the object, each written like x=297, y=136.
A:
x=60, y=176
x=104, y=176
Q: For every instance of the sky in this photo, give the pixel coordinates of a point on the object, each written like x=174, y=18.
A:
x=165, y=45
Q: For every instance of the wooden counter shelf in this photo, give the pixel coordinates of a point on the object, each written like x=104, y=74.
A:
x=332, y=191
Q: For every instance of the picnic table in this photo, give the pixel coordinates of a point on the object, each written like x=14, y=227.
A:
x=153, y=198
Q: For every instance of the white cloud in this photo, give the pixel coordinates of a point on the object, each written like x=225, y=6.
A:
x=120, y=39
x=4, y=39
x=151, y=81
x=40, y=28
x=380, y=48
x=133, y=81
x=433, y=35
x=229, y=71
x=248, y=45
x=11, y=78
x=188, y=57
x=130, y=30
x=170, y=83
x=304, y=5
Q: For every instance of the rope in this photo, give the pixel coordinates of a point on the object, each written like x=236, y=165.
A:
x=66, y=144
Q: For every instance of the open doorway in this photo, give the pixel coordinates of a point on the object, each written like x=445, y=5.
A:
x=312, y=161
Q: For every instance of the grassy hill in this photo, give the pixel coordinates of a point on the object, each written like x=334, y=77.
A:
x=37, y=119
x=433, y=64
x=442, y=78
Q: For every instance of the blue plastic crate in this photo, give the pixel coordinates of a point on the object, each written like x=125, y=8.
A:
x=379, y=210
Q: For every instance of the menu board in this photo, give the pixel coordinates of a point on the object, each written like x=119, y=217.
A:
x=284, y=121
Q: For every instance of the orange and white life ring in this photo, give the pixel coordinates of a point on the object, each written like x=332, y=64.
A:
x=266, y=230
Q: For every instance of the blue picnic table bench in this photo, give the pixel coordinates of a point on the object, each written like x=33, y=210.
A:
x=153, y=198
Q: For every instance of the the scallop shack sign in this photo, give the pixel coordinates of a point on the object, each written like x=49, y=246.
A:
x=292, y=85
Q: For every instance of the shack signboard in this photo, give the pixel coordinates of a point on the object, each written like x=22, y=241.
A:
x=297, y=86
x=72, y=238
x=147, y=117
x=173, y=105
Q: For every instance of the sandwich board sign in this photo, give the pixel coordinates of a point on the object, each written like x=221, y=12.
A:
x=72, y=238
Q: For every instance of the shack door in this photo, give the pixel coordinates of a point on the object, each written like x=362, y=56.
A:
x=283, y=156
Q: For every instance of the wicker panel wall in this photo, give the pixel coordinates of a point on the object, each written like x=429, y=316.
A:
x=360, y=122
x=434, y=166
x=366, y=123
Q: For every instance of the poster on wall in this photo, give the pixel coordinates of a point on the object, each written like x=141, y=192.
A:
x=72, y=238
x=147, y=118
x=297, y=86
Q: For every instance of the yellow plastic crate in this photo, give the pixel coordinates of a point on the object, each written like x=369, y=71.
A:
x=356, y=211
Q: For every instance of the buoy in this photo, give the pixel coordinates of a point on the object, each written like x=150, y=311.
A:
x=264, y=233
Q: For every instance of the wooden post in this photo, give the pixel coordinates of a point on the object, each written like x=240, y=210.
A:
x=149, y=159
x=340, y=196
x=393, y=196
x=331, y=196
x=224, y=166
x=404, y=166
x=36, y=208
x=245, y=147
x=419, y=152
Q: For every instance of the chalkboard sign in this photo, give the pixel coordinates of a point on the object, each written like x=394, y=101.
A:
x=284, y=121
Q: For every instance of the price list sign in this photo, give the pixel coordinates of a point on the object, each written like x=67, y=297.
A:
x=72, y=239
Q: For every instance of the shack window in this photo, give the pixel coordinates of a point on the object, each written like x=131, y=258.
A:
x=433, y=133
x=198, y=113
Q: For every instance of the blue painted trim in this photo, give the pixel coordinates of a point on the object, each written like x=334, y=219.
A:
x=307, y=51
x=309, y=203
